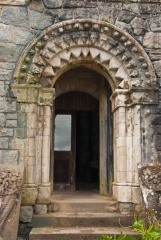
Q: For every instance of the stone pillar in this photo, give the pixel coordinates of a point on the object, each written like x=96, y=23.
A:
x=44, y=190
x=127, y=107
x=36, y=103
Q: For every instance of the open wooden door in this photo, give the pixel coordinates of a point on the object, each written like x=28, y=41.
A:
x=64, y=152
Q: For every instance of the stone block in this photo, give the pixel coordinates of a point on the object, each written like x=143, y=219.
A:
x=26, y=213
x=10, y=52
x=11, y=116
x=125, y=207
x=32, y=120
x=6, y=132
x=139, y=26
x=29, y=196
x=14, y=2
x=23, y=36
x=9, y=157
x=44, y=194
x=73, y=4
x=155, y=23
x=2, y=120
x=6, y=32
x=5, y=75
x=16, y=16
x=2, y=90
x=156, y=119
x=3, y=105
x=20, y=144
x=53, y=4
x=157, y=67
x=126, y=16
x=32, y=147
x=20, y=133
x=11, y=106
x=40, y=209
x=22, y=120
x=39, y=20
x=11, y=123
x=152, y=40
x=36, y=5
x=4, y=143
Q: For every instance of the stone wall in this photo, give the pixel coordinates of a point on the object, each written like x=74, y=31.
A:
x=22, y=22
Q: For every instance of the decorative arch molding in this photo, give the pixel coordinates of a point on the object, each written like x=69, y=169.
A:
x=98, y=42
x=124, y=64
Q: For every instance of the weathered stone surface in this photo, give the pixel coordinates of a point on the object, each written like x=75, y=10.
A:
x=39, y=20
x=11, y=123
x=133, y=7
x=11, y=179
x=152, y=40
x=125, y=16
x=26, y=213
x=9, y=157
x=156, y=120
x=22, y=120
x=150, y=8
x=138, y=26
x=40, y=209
x=2, y=120
x=3, y=143
x=72, y=4
x=10, y=52
x=16, y=16
x=20, y=132
x=11, y=116
x=53, y=4
x=36, y=5
x=29, y=196
x=150, y=184
x=157, y=66
x=6, y=132
x=155, y=23
x=2, y=90
x=14, y=2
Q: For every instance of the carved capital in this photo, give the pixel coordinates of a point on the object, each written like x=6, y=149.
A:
x=27, y=93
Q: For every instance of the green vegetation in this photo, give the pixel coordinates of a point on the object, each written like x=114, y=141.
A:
x=149, y=229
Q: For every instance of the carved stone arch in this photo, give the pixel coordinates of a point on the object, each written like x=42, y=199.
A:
x=116, y=51
x=122, y=61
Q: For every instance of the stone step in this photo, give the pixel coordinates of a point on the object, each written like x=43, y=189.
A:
x=82, y=220
x=82, y=203
x=78, y=233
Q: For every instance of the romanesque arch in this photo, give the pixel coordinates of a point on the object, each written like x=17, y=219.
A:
x=121, y=60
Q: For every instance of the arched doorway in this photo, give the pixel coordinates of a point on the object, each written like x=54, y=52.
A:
x=83, y=156
x=124, y=65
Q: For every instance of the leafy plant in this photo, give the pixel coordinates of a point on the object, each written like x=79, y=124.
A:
x=152, y=232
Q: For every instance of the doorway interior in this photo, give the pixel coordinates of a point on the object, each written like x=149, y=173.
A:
x=86, y=160
x=76, y=147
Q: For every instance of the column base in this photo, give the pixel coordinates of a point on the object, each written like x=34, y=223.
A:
x=29, y=196
x=127, y=193
x=44, y=194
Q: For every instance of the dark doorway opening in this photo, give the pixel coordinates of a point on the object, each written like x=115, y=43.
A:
x=87, y=150
x=76, y=164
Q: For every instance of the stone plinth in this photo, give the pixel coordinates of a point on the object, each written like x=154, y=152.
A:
x=11, y=179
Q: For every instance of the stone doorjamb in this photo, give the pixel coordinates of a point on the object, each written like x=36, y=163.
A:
x=125, y=65
x=127, y=107
x=37, y=104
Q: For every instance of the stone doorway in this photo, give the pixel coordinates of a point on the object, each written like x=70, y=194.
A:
x=123, y=64
x=83, y=156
